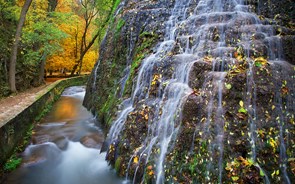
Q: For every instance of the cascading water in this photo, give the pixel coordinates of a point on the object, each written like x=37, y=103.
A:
x=165, y=127
x=214, y=86
x=281, y=114
x=225, y=35
x=95, y=75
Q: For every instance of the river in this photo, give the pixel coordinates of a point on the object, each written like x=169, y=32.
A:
x=65, y=147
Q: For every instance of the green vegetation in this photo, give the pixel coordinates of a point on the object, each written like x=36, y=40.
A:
x=106, y=109
x=15, y=159
x=146, y=42
x=45, y=111
x=12, y=163
x=118, y=164
x=119, y=26
x=115, y=6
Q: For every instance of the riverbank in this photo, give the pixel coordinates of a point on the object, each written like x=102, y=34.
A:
x=14, y=125
x=65, y=147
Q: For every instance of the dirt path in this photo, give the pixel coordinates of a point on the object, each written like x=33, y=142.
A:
x=14, y=104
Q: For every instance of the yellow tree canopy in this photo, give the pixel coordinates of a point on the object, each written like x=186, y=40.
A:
x=74, y=26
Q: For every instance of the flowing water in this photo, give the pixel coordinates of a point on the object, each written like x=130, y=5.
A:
x=200, y=29
x=95, y=75
x=65, y=147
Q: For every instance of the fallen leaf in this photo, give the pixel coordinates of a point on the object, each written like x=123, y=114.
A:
x=135, y=159
x=235, y=178
x=241, y=103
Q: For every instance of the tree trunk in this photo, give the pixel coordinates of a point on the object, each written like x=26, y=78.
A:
x=42, y=69
x=5, y=70
x=80, y=67
x=12, y=64
x=74, y=69
x=52, y=5
x=85, y=47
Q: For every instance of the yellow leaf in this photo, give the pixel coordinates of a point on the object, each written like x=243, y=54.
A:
x=239, y=58
x=273, y=174
x=235, y=178
x=241, y=103
x=135, y=159
x=151, y=173
x=261, y=60
x=146, y=117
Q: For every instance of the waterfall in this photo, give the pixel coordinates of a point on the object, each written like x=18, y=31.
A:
x=214, y=87
x=95, y=76
x=164, y=128
x=194, y=31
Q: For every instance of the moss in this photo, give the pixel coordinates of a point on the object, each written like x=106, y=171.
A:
x=118, y=164
x=114, y=8
x=15, y=159
x=108, y=104
x=13, y=162
x=146, y=41
x=44, y=112
x=119, y=25
x=116, y=4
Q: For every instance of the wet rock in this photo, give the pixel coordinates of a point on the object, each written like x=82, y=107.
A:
x=92, y=141
x=239, y=109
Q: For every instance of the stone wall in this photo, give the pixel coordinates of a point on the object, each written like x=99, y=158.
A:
x=13, y=132
x=136, y=29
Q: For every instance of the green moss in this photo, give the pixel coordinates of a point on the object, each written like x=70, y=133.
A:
x=109, y=108
x=44, y=112
x=119, y=25
x=15, y=160
x=145, y=43
x=115, y=6
x=118, y=164
x=12, y=163
x=109, y=102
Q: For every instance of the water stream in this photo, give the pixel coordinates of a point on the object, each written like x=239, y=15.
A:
x=65, y=147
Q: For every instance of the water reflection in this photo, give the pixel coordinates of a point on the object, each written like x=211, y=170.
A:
x=66, y=109
x=65, y=147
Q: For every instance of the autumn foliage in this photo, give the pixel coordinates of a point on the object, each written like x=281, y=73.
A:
x=74, y=26
x=57, y=37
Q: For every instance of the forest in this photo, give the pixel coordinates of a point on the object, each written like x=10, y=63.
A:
x=39, y=38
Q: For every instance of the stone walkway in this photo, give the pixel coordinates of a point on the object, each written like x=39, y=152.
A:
x=11, y=106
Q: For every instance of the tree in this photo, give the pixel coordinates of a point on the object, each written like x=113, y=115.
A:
x=8, y=22
x=41, y=38
x=93, y=9
x=12, y=64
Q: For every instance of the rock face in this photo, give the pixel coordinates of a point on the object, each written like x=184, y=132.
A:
x=198, y=91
